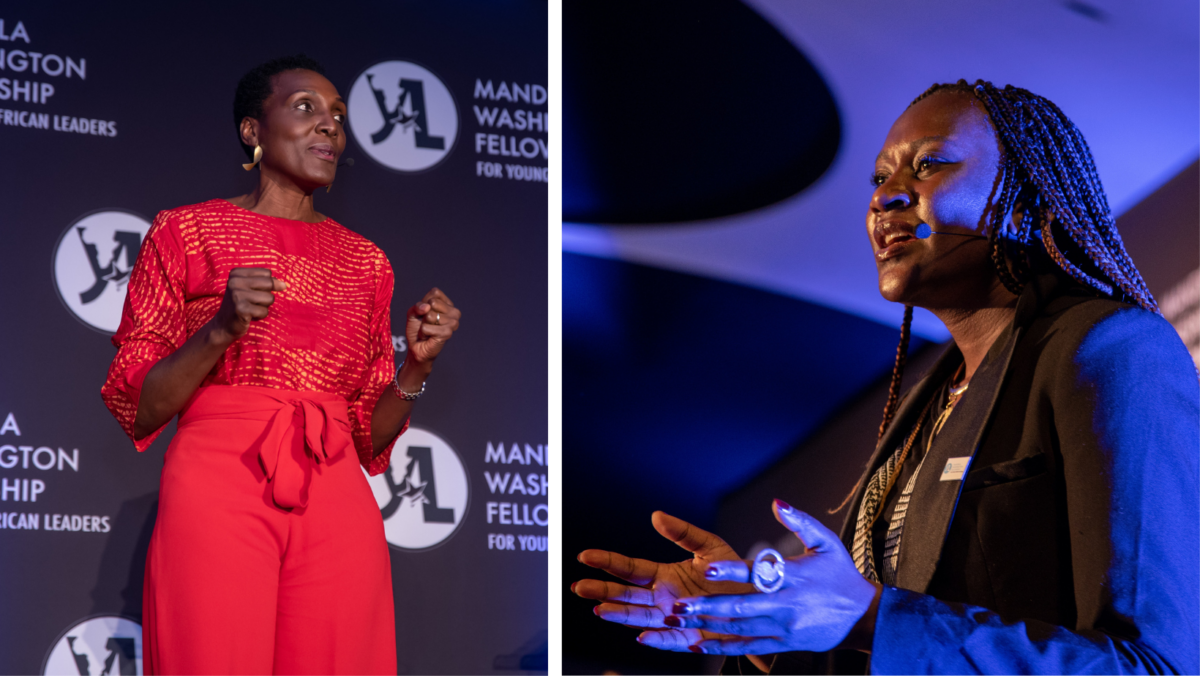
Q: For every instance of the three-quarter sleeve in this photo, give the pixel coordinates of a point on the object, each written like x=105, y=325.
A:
x=152, y=323
x=380, y=370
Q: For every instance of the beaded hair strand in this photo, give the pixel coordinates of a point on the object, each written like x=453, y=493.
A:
x=889, y=409
x=893, y=400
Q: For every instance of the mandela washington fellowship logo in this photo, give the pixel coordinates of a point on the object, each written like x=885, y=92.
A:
x=97, y=646
x=402, y=115
x=92, y=263
x=423, y=494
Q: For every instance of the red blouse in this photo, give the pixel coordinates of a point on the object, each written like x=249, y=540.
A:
x=330, y=331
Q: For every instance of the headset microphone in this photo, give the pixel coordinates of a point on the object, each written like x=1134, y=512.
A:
x=348, y=162
x=924, y=232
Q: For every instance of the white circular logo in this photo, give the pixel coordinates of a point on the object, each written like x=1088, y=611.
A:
x=402, y=115
x=92, y=264
x=423, y=493
x=107, y=644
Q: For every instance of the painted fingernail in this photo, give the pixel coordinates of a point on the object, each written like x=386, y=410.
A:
x=672, y=621
x=696, y=649
x=639, y=638
x=681, y=608
x=782, y=506
x=596, y=611
x=573, y=587
x=712, y=572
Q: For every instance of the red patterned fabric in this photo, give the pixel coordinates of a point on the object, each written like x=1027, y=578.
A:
x=330, y=331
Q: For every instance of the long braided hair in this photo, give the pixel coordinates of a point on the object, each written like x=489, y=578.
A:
x=1047, y=164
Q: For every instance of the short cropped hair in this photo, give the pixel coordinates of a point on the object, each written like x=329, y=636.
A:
x=256, y=86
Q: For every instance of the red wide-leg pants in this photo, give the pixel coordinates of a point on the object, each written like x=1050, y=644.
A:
x=268, y=555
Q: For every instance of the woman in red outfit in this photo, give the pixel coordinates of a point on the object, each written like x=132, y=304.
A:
x=266, y=326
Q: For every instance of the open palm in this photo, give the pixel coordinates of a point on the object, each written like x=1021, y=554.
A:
x=656, y=586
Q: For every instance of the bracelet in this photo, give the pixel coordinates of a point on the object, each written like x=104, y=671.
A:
x=406, y=396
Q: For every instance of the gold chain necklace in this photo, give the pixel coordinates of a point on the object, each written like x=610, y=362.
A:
x=951, y=400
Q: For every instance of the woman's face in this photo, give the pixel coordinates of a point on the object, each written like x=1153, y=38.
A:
x=301, y=129
x=940, y=166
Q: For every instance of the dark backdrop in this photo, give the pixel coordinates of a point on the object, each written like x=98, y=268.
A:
x=164, y=76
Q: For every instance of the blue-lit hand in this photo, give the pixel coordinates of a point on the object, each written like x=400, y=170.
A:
x=657, y=586
x=823, y=599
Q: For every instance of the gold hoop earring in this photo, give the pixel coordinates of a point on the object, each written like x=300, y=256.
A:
x=328, y=187
x=257, y=158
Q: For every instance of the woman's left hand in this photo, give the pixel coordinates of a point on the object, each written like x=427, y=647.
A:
x=822, y=600
x=430, y=324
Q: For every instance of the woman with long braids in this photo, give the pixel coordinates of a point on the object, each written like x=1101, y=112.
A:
x=1033, y=504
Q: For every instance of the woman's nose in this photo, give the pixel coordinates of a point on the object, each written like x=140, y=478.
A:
x=890, y=195
x=327, y=125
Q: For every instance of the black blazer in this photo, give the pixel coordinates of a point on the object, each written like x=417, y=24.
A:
x=1072, y=543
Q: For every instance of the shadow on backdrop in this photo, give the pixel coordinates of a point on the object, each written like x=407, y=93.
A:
x=122, y=565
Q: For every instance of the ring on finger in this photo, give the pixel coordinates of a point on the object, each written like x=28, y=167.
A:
x=439, y=318
x=767, y=571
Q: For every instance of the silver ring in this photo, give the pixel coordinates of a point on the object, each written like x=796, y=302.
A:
x=767, y=575
x=439, y=318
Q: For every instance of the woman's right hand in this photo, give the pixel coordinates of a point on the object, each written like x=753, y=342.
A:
x=248, y=297
x=656, y=586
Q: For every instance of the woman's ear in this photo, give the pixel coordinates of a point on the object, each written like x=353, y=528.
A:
x=249, y=131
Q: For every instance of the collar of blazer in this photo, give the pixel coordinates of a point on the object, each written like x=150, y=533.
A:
x=934, y=499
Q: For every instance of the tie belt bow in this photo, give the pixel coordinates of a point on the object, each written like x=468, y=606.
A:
x=322, y=419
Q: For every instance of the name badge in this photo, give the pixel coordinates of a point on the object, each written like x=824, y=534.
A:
x=955, y=469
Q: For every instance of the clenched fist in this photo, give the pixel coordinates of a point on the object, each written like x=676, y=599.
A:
x=430, y=324
x=248, y=297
